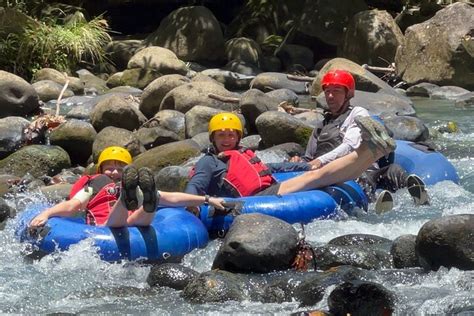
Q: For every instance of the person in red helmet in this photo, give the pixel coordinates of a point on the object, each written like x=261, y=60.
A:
x=338, y=135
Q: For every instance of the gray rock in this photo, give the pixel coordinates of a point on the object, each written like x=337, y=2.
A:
x=115, y=136
x=74, y=84
x=171, y=275
x=268, y=81
x=76, y=137
x=403, y=252
x=57, y=192
x=119, y=52
x=202, y=139
x=50, y=90
x=257, y=243
x=243, y=49
x=253, y=103
x=161, y=59
x=17, y=97
x=448, y=92
x=465, y=100
x=92, y=83
x=292, y=55
x=230, y=79
x=6, y=212
x=424, y=89
x=278, y=128
x=358, y=240
x=440, y=50
x=407, y=128
x=155, y=136
x=284, y=95
x=11, y=131
x=197, y=119
x=156, y=91
x=139, y=77
x=36, y=160
x=447, y=241
x=242, y=67
x=172, y=178
x=251, y=142
x=171, y=120
x=361, y=298
x=117, y=111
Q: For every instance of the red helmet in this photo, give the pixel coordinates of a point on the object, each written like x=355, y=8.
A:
x=339, y=77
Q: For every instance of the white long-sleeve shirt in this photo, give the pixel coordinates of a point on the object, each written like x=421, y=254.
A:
x=351, y=138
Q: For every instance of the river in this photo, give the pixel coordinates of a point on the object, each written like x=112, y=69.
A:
x=77, y=281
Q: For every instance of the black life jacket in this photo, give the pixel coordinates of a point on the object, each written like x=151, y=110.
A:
x=329, y=136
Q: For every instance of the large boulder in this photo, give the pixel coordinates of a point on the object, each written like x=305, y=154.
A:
x=117, y=111
x=158, y=58
x=372, y=38
x=447, y=241
x=243, y=49
x=269, y=81
x=171, y=120
x=36, y=160
x=327, y=19
x=254, y=102
x=407, y=128
x=76, y=137
x=257, y=243
x=186, y=96
x=60, y=78
x=116, y=136
x=156, y=91
x=17, y=97
x=50, y=90
x=440, y=50
x=119, y=52
x=193, y=33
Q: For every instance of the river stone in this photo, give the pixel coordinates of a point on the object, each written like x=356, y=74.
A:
x=253, y=103
x=57, y=192
x=115, y=136
x=167, y=155
x=172, y=178
x=215, y=286
x=243, y=49
x=372, y=37
x=92, y=83
x=242, y=68
x=186, y=96
x=424, y=89
x=6, y=182
x=139, y=77
x=171, y=120
x=360, y=298
x=200, y=41
x=362, y=256
x=407, y=128
x=6, y=212
x=197, y=119
x=278, y=128
x=284, y=95
x=251, y=142
x=465, y=100
x=119, y=52
x=173, y=275
x=403, y=252
x=11, y=131
x=156, y=91
x=155, y=136
x=76, y=137
x=160, y=59
x=285, y=150
x=203, y=141
x=230, y=79
x=268, y=81
x=448, y=93
x=440, y=50
x=75, y=84
x=447, y=241
x=257, y=243
x=36, y=160
x=200, y=77
x=117, y=111
x=291, y=55
x=17, y=97
x=50, y=90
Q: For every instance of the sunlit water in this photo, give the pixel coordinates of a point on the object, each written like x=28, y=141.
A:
x=79, y=282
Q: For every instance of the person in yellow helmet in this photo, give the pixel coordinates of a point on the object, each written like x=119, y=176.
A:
x=229, y=170
x=111, y=197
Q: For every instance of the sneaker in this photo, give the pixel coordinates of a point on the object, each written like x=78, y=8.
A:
x=384, y=202
x=129, y=183
x=146, y=182
x=375, y=134
x=416, y=188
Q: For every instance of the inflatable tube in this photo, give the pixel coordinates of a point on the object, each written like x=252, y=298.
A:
x=428, y=164
x=300, y=207
x=173, y=233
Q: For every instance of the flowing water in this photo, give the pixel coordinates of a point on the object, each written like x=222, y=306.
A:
x=79, y=282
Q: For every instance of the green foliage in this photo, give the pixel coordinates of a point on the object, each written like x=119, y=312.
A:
x=56, y=40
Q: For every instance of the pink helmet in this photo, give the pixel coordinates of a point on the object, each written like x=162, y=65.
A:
x=339, y=77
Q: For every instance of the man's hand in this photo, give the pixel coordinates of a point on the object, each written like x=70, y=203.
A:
x=315, y=164
x=296, y=158
x=217, y=203
x=39, y=220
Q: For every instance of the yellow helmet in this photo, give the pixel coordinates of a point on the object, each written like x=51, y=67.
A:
x=114, y=153
x=223, y=121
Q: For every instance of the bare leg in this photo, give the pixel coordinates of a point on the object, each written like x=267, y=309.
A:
x=140, y=218
x=345, y=168
x=118, y=215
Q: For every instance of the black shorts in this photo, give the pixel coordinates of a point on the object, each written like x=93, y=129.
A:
x=271, y=190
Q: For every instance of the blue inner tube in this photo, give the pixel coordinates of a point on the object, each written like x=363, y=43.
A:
x=173, y=233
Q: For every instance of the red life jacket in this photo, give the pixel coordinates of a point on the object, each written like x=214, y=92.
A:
x=246, y=173
x=105, y=194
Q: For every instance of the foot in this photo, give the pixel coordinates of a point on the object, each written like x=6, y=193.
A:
x=416, y=188
x=148, y=187
x=375, y=135
x=384, y=202
x=128, y=193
